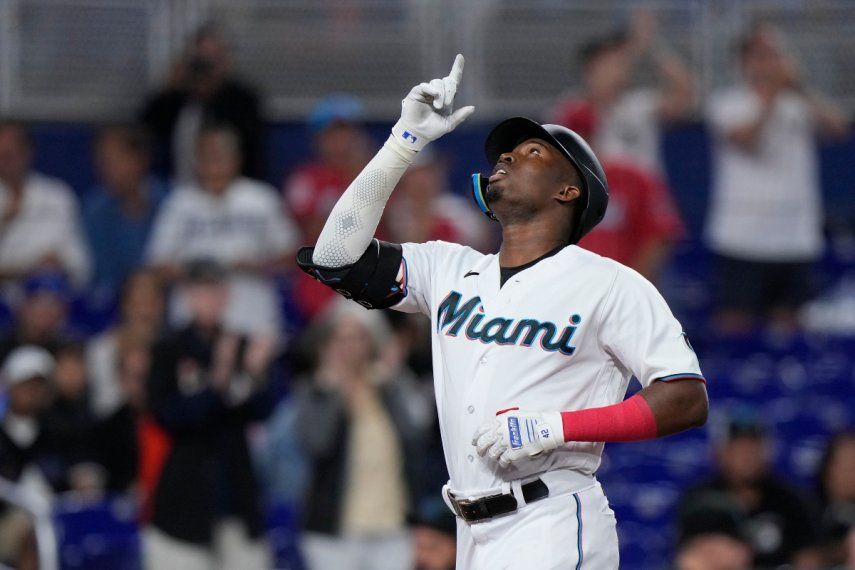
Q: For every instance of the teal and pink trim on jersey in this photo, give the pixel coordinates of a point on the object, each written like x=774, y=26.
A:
x=681, y=376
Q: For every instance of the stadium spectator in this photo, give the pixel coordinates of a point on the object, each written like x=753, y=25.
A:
x=47, y=431
x=837, y=496
x=423, y=208
x=25, y=374
x=713, y=536
x=234, y=220
x=39, y=218
x=140, y=321
x=641, y=223
x=620, y=121
x=70, y=419
x=341, y=147
x=435, y=538
x=623, y=126
x=121, y=440
x=119, y=213
x=206, y=387
x=129, y=444
x=362, y=428
x=40, y=318
x=765, y=219
x=779, y=524
x=202, y=90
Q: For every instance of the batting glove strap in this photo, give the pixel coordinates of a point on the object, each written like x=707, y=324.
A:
x=408, y=137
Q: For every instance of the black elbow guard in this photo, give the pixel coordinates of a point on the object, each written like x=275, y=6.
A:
x=371, y=281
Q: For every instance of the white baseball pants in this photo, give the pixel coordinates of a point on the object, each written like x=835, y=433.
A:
x=567, y=531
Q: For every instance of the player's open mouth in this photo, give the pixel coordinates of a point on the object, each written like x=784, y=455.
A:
x=498, y=174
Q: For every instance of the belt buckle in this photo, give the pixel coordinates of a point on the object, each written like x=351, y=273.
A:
x=470, y=510
x=454, y=504
x=473, y=510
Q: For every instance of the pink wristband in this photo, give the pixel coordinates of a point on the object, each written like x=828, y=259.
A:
x=631, y=420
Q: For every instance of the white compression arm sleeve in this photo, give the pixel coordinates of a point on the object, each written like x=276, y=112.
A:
x=350, y=227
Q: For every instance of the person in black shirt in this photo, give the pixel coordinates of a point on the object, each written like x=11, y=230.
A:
x=25, y=447
x=779, y=525
x=203, y=91
x=206, y=386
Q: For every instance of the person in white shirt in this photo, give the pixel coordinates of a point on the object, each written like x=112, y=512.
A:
x=39, y=218
x=235, y=221
x=765, y=219
x=533, y=347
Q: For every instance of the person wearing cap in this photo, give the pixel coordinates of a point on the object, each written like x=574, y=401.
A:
x=24, y=379
x=48, y=425
x=780, y=523
x=40, y=318
x=207, y=385
x=237, y=221
x=25, y=374
x=341, y=147
x=39, y=217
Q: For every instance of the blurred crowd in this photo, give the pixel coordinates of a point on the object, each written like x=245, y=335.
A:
x=217, y=380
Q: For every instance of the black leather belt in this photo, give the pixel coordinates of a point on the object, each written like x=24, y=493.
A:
x=474, y=510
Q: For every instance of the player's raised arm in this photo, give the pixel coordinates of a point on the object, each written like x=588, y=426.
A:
x=346, y=257
x=427, y=113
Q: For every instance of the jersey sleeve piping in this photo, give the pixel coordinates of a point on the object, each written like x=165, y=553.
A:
x=681, y=376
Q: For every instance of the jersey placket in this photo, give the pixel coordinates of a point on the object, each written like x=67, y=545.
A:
x=478, y=391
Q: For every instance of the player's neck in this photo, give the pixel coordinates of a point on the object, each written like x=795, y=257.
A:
x=523, y=243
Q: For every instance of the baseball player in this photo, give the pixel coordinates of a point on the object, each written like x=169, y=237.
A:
x=533, y=347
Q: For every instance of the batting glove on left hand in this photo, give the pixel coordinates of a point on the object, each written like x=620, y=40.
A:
x=514, y=435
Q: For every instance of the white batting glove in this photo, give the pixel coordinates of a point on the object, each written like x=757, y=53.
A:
x=515, y=435
x=428, y=112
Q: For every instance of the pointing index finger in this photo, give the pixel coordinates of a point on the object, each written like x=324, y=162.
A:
x=457, y=69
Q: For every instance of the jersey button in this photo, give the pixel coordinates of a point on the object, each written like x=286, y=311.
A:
x=483, y=360
x=471, y=409
x=470, y=458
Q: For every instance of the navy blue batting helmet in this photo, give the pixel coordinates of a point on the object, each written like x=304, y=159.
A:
x=510, y=132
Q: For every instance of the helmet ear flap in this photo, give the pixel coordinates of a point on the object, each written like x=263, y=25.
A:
x=479, y=190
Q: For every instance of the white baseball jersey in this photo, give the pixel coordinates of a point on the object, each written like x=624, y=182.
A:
x=567, y=333
x=47, y=223
x=246, y=223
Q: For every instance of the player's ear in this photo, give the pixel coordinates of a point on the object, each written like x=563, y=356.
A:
x=568, y=193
